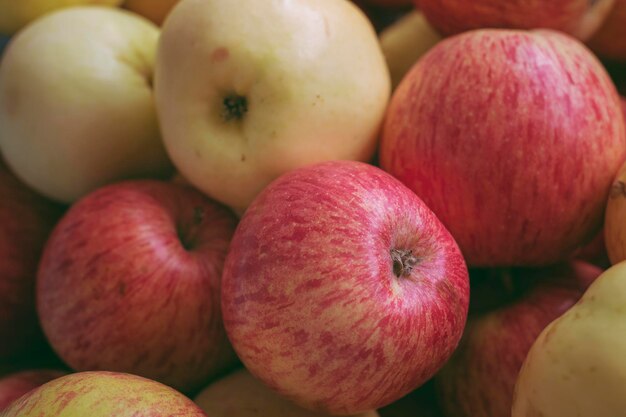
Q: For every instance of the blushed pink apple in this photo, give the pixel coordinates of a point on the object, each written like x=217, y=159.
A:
x=580, y=18
x=26, y=220
x=480, y=378
x=341, y=289
x=103, y=394
x=130, y=281
x=515, y=156
x=15, y=385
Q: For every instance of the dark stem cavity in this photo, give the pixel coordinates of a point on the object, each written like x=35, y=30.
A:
x=403, y=262
x=234, y=107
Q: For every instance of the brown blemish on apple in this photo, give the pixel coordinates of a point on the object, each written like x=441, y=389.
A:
x=403, y=262
x=122, y=288
x=243, y=158
x=219, y=54
x=618, y=189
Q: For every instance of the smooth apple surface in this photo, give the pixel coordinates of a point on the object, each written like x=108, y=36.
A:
x=576, y=366
x=26, y=220
x=241, y=394
x=614, y=227
x=282, y=85
x=76, y=104
x=342, y=290
x=479, y=379
x=579, y=18
x=155, y=10
x=17, y=14
x=517, y=156
x=608, y=42
x=130, y=281
x=15, y=385
x=103, y=394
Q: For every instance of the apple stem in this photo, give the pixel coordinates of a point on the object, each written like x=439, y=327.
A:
x=234, y=107
x=403, y=262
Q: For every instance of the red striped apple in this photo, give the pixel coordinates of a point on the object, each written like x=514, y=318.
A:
x=26, y=220
x=103, y=394
x=580, y=18
x=516, y=156
x=479, y=379
x=341, y=290
x=130, y=281
x=15, y=385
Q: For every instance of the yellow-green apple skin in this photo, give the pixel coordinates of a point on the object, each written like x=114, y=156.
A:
x=15, y=14
x=242, y=395
x=155, y=10
x=281, y=85
x=576, y=367
x=76, y=102
x=103, y=394
x=405, y=42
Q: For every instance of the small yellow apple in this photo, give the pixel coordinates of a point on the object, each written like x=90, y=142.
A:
x=155, y=10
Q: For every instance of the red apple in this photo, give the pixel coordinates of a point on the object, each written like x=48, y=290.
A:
x=26, y=220
x=15, y=385
x=580, y=18
x=103, y=394
x=130, y=280
x=512, y=138
x=610, y=41
x=342, y=290
x=480, y=378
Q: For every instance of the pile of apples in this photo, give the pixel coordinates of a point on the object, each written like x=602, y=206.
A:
x=312, y=207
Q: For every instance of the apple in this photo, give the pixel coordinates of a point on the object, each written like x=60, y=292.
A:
x=26, y=220
x=479, y=379
x=516, y=156
x=76, y=102
x=129, y=281
x=608, y=42
x=341, y=289
x=614, y=227
x=155, y=10
x=405, y=41
x=579, y=18
x=242, y=395
x=576, y=366
x=17, y=14
x=103, y=394
x=283, y=84
x=15, y=385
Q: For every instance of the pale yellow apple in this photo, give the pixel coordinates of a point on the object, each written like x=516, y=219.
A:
x=405, y=42
x=76, y=102
x=15, y=14
x=577, y=365
x=240, y=394
x=155, y=10
x=247, y=90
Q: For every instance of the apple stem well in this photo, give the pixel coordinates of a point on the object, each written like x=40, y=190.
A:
x=234, y=107
x=403, y=262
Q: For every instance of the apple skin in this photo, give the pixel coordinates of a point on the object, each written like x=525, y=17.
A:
x=103, y=394
x=479, y=379
x=130, y=281
x=17, y=14
x=579, y=18
x=15, y=385
x=26, y=220
x=523, y=104
x=155, y=10
x=310, y=296
x=76, y=103
x=242, y=395
x=275, y=89
x=608, y=42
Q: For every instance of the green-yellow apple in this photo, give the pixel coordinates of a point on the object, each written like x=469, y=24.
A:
x=15, y=14
x=155, y=10
x=76, y=102
x=247, y=90
x=103, y=394
x=15, y=385
x=405, y=41
x=242, y=395
x=576, y=366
